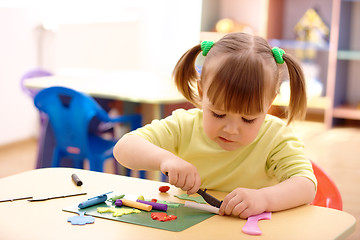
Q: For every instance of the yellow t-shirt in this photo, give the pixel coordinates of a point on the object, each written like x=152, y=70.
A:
x=274, y=156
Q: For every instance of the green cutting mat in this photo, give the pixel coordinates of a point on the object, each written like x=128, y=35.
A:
x=186, y=217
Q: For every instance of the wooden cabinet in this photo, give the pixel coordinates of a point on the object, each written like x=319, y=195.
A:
x=344, y=62
x=338, y=59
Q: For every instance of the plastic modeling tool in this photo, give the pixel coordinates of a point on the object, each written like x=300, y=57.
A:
x=93, y=201
x=251, y=226
x=54, y=197
x=209, y=199
x=204, y=207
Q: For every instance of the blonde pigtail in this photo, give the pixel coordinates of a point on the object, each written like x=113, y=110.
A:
x=298, y=98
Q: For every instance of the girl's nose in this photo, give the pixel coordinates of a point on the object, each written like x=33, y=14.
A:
x=231, y=127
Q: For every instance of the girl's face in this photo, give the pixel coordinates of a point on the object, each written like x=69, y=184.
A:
x=230, y=130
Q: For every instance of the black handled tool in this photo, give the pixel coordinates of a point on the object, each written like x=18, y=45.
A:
x=207, y=197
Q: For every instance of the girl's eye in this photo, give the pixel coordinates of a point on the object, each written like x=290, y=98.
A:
x=248, y=120
x=218, y=116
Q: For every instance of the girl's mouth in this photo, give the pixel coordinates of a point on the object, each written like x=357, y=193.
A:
x=225, y=140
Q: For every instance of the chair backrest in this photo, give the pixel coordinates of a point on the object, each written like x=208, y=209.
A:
x=69, y=114
x=37, y=72
x=327, y=194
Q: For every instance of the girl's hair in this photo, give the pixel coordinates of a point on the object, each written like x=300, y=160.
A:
x=242, y=76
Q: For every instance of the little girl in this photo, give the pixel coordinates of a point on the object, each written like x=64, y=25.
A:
x=229, y=143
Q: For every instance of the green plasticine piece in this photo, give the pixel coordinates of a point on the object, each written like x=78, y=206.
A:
x=170, y=205
x=195, y=199
x=113, y=199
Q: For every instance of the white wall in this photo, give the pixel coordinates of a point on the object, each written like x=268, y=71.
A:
x=166, y=28
x=17, y=54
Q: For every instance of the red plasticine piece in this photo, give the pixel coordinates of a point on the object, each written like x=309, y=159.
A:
x=164, y=188
x=163, y=217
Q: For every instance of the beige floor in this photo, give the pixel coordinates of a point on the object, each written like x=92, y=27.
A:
x=336, y=150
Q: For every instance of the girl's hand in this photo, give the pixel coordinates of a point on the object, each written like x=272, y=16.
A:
x=182, y=174
x=244, y=202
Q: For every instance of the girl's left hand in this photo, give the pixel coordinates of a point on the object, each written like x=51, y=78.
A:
x=244, y=202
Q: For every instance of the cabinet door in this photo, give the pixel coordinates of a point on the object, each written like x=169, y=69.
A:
x=345, y=59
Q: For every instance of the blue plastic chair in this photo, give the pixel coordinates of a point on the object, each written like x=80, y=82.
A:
x=69, y=113
x=36, y=72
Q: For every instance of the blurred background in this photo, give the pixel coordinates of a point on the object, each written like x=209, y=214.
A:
x=80, y=37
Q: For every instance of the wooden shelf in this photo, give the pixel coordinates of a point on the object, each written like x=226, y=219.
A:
x=348, y=55
x=313, y=103
x=347, y=112
x=335, y=57
x=293, y=44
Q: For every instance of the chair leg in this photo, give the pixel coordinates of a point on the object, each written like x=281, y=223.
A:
x=96, y=164
x=142, y=174
x=78, y=163
x=116, y=167
x=128, y=172
x=56, y=158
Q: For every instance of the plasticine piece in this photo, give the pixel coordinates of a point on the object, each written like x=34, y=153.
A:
x=251, y=226
x=156, y=206
x=163, y=217
x=164, y=189
x=105, y=209
x=123, y=211
x=81, y=219
x=170, y=205
x=133, y=204
x=117, y=212
x=198, y=199
x=113, y=199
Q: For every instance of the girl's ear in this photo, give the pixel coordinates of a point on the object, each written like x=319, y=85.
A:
x=271, y=102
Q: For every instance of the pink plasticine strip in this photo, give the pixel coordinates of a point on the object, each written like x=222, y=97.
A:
x=251, y=226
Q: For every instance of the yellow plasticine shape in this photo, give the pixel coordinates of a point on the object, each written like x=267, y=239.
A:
x=117, y=212
x=122, y=211
x=105, y=209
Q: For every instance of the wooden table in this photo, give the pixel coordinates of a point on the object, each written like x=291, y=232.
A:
x=150, y=89
x=46, y=220
x=147, y=88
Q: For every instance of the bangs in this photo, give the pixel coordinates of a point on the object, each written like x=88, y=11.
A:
x=237, y=84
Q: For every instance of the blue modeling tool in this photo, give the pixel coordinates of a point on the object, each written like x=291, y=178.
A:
x=93, y=201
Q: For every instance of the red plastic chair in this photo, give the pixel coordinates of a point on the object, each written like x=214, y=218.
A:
x=327, y=194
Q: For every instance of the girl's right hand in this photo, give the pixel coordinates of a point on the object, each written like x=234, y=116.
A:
x=182, y=174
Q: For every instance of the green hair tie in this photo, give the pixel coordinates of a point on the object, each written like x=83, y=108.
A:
x=278, y=54
x=206, y=46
